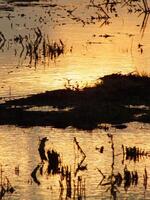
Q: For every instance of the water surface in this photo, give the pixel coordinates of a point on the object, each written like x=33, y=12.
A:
x=95, y=44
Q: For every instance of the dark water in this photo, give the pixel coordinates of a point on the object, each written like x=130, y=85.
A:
x=77, y=41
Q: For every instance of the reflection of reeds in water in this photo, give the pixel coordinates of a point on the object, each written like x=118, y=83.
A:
x=2, y=40
x=71, y=181
x=79, y=162
x=71, y=184
x=5, y=185
x=145, y=177
x=71, y=187
x=34, y=174
x=39, y=48
x=74, y=183
x=102, y=15
x=128, y=178
x=53, y=162
x=53, y=50
x=116, y=180
x=146, y=11
x=133, y=153
x=79, y=189
x=42, y=47
x=41, y=149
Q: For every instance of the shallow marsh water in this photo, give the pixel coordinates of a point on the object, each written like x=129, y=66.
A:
x=19, y=149
x=91, y=49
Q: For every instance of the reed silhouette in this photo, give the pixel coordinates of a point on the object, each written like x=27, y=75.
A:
x=53, y=162
x=5, y=185
x=125, y=178
x=41, y=149
x=71, y=184
x=2, y=40
x=134, y=153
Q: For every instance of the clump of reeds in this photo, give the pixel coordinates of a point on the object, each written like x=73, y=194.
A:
x=32, y=47
x=34, y=174
x=2, y=40
x=69, y=85
x=41, y=149
x=79, y=188
x=51, y=158
x=130, y=178
x=5, y=185
x=42, y=48
x=134, y=153
x=80, y=166
x=53, y=162
x=53, y=49
x=39, y=47
x=70, y=183
x=145, y=177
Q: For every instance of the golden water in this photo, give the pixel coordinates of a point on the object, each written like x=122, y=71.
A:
x=19, y=148
x=88, y=55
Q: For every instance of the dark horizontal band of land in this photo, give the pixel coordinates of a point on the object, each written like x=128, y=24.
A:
x=116, y=99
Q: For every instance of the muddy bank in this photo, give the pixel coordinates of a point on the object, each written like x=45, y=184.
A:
x=115, y=99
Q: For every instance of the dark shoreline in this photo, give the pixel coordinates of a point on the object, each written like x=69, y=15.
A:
x=116, y=101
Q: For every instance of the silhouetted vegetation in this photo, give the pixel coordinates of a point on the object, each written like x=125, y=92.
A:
x=34, y=176
x=5, y=185
x=49, y=157
x=41, y=149
x=134, y=153
x=130, y=178
x=54, y=162
x=114, y=180
x=72, y=185
x=39, y=48
x=115, y=99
